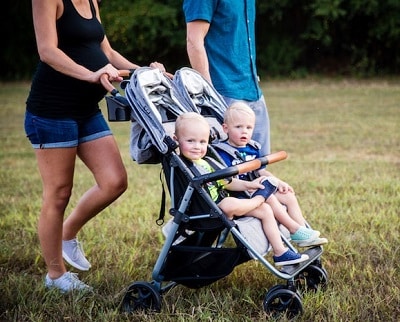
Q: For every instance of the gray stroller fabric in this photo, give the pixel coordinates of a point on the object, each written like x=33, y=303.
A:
x=252, y=231
x=154, y=100
x=197, y=91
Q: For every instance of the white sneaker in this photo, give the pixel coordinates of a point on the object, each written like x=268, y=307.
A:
x=316, y=242
x=73, y=253
x=66, y=283
x=304, y=235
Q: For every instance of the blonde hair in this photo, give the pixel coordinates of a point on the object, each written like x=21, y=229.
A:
x=237, y=108
x=182, y=121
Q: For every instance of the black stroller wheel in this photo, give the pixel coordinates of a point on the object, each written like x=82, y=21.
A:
x=141, y=296
x=283, y=302
x=275, y=288
x=312, y=278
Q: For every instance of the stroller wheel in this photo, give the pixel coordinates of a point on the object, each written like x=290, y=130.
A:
x=141, y=296
x=312, y=278
x=275, y=288
x=282, y=302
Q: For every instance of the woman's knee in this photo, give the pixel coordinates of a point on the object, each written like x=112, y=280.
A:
x=57, y=197
x=117, y=184
x=123, y=184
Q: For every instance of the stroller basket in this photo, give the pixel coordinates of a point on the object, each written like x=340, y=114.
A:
x=195, y=267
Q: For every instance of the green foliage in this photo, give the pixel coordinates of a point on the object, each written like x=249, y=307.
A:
x=359, y=37
x=18, y=54
x=280, y=57
x=362, y=35
x=356, y=37
x=147, y=31
x=324, y=13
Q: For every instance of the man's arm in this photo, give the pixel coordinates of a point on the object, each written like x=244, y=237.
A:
x=196, y=31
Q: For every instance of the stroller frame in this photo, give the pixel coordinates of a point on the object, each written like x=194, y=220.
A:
x=142, y=295
x=196, y=183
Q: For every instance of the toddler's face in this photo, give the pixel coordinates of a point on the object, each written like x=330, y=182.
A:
x=193, y=140
x=239, y=129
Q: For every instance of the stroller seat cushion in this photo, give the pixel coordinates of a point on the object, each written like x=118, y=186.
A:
x=252, y=231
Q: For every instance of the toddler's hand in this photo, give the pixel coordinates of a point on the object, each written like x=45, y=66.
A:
x=256, y=183
x=284, y=187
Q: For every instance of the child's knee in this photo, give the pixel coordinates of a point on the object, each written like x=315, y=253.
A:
x=229, y=206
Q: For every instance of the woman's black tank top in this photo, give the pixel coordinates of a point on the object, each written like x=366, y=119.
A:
x=56, y=95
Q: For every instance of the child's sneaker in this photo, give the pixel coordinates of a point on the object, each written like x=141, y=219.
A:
x=304, y=235
x=290, y=258
x=316, y=242
x=73, y=253
x=66, y=283
x=270, y=185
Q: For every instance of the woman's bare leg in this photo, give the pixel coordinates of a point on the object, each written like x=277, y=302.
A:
x=56, y=167
x=103, y=158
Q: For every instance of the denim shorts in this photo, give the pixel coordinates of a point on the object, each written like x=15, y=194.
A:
x=45, y=133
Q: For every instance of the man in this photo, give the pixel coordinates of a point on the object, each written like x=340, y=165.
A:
x=221, y=46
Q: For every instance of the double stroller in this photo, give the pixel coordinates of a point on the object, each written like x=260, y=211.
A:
x=201, y=244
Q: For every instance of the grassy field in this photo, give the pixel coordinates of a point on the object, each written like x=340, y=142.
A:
x=343, y=141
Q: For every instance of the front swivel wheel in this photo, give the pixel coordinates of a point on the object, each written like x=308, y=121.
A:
x=141, y=296
x=312, y=278
x=283, y=302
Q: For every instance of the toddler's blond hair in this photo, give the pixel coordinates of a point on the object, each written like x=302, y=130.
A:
x=237, y=108
x=181, y=121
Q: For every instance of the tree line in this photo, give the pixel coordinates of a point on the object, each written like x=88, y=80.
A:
x=294, y=38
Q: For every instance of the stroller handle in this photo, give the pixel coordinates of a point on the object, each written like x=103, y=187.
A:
x=241, y=168
x=258, y=163
x=108, y=85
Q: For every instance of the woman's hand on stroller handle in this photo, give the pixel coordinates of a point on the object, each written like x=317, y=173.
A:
x=104, y=80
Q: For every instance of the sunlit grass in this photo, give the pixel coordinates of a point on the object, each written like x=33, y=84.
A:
x=343, y=141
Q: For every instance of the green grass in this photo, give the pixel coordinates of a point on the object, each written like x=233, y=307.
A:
x=343, y=141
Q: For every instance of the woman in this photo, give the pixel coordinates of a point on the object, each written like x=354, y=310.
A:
x=63, y=121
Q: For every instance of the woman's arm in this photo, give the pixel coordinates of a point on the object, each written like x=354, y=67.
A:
x=45, y=14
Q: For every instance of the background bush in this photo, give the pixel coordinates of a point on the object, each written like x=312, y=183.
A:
x=295, y=38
